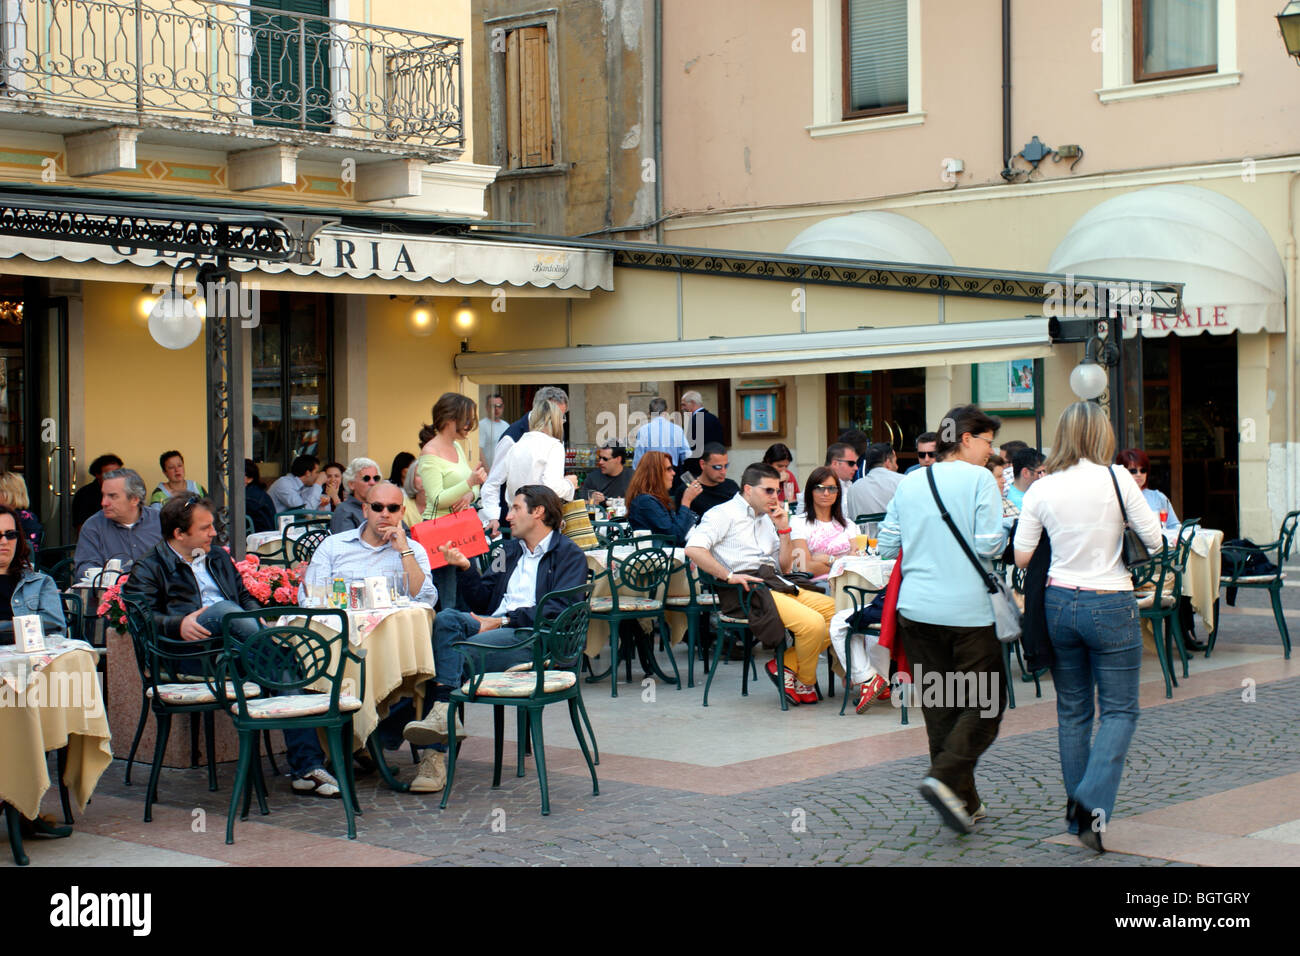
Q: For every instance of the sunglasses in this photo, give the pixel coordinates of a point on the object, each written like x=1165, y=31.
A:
x=9, y=535
x=380, y=509
x=718, y=467
x=925, y=454
x=768, y=491
x=367, y=478
x=826, y=489
x=1137, y=471
x=604, y=457
x=846, y=461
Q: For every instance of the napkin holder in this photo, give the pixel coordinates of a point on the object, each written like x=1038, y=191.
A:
x=29, y=636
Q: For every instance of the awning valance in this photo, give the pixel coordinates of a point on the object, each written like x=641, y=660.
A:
x=812, y=353
x=1233, y=277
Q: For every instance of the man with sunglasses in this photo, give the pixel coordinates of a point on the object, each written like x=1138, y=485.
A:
x=611, y=478
x=842, y=460
x=362, y=474
x=715, y=488
x=926, y=443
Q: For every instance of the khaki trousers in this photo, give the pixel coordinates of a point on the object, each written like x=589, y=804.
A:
x=808, y=616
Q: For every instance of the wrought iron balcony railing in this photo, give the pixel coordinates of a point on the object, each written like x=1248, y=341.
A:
x=232, y=63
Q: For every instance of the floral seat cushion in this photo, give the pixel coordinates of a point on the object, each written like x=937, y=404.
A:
x=1147, y=600
x=606, y=604
x=184, y=695
x=684, y=600
x=729, y=619
x=1251, y=579
x=522, y=683
x=299, y=705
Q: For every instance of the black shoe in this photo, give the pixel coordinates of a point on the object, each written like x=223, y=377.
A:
x=1087, y=835
x=1192, y=644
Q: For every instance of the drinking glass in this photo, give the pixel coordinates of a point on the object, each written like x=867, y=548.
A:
x=1164, y=515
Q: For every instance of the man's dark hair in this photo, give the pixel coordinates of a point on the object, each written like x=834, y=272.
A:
x=962, y=420
x=251, y=471
x=539, y=496
x=162, y=459
x=755, y=473
x=857, y=438
x=1009, y=448
x=837, y=451
x=102, y=463
x=925, y=437
x=877, y=455
x=1029, y=458
x=618, y=450
x=303, y=464
x=711, y=449
x=178, y=514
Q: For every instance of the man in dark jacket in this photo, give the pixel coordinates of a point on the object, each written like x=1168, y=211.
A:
x=189, y=587
x=257, y=503
x=702, y=428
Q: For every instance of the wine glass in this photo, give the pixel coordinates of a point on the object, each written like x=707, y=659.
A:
x=1164, y=516
x=397, y=587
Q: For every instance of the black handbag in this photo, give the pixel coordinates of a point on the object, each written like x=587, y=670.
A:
x=1134, y=551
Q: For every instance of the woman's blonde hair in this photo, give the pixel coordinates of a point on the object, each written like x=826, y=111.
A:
x=13, y=491
x=1083, y=432
x=547, y=418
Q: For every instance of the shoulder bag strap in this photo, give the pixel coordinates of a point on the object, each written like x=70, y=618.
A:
x=943, y=512
x=1119, y=497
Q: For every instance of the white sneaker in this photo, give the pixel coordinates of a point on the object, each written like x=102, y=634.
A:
x=940, y=796
x=319, y=783
x=433, y=729
x=980, y=813
x=431, y=777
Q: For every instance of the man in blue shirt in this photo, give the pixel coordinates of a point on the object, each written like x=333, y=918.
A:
x=298, y=491
x=1027, y=466
x=925, y=445
x=661, y=434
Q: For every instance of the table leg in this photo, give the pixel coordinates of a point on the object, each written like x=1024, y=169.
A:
x=381, y=764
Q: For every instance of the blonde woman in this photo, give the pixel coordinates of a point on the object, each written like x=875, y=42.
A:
x=450, y=485
x=538, y=457
x=13, y=494
x=1092, y=616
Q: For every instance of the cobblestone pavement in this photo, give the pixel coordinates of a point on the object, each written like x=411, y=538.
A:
x=1182, y=750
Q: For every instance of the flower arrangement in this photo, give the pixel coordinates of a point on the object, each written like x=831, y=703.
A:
x=112, y=609
x=270, y=584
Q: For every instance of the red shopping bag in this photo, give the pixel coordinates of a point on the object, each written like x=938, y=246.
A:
x=460, y=530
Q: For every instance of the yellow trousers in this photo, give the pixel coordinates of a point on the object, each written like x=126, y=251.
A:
x=808, y=617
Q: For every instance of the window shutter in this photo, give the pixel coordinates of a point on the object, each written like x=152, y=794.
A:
x=534, y=97
x=876, y=55
x=512, y=100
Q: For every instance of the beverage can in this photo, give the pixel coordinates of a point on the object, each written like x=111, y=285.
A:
x=357, y=595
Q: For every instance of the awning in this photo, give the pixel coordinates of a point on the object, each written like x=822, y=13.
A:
x=813, y=353
x=874, y=236
x=1233, y=277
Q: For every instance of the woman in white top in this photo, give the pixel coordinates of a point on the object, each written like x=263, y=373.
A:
x=1092, y=616
x=821, y=534
x=538, y=457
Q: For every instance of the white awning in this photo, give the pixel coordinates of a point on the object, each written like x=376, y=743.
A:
x=875, y=236
x=1234, y=279
x=367, y=255
x=811, y=353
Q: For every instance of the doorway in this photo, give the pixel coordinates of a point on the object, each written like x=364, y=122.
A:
x=888, y=406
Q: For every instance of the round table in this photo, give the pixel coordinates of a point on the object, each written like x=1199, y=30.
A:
x=598, y=631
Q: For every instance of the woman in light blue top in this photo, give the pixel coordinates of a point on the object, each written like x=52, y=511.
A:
x=945, y=617
x=1139, y=466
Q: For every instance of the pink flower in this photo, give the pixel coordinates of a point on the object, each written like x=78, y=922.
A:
x=286, y=595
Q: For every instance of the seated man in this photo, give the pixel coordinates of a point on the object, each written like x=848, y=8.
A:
x=89, y=497
x=361, y=476
x=190, y=586
x=871, y=493
x=536, y=560
x=611, y=479
x=715, y=487
x=298, y=490
x=747, y=541
x=257, y=503
x=378, y=546
x=124, y=528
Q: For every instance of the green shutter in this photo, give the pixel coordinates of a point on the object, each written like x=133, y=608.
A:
x=277, y=90
x=877, y=55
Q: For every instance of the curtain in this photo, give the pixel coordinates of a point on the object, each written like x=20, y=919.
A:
x=877, y=54
x=1179, y=34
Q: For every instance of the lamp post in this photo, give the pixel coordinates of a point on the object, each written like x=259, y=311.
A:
x=1289, y=23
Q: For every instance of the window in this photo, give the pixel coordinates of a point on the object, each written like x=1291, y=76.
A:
x=1174, y=38
x=291, y=378
x=522, y=76
x=874, y=35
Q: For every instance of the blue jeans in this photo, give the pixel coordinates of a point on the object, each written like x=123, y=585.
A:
x=451, y=666
x=303, y=746
x=1097, y=641
x=444, y=579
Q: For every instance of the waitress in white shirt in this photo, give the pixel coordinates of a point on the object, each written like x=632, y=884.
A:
x=1092, y=616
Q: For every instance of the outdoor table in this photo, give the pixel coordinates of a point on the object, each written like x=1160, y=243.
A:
x=50, y=700
x=598, y=631
x=1201, y=577
x=268, y=542
x=863, y=571
x=399, y=660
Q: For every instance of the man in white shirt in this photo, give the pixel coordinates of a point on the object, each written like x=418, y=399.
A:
x=537, y=560
x=842, y=459
x=491, y=429
x=492, y=496
x=661, y=434
x=747, y=541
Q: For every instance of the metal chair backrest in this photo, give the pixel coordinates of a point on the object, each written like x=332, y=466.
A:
x=1286, y=535
x=286, y=658
x=305, y=545
x=713, y=585
x=644, y=569
x=562, y=639
x=162, y=660
x=249, y=527
x=73, y=616
x=1155, y=570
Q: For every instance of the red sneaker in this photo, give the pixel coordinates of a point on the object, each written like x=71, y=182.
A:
x=791, y=694
x=875, y=689
x=807, y=693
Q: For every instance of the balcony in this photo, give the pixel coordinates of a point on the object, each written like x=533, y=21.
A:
x=199, y=72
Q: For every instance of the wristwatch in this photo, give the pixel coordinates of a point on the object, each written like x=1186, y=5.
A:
x=407, y=553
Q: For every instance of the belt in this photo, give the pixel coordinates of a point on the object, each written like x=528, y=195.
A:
x=1053, y=582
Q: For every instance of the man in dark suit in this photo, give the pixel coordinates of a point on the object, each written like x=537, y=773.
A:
x=702, y=428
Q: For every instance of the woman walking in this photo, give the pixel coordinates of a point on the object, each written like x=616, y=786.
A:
x=1092, y=617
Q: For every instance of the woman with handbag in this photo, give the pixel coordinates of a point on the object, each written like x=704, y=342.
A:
x=947, y=520
x=1099, y=525
x=443, y=468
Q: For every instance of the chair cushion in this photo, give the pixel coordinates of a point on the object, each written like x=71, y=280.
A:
x=606, y=604
x=525, y=666
x=1147, y=600
x=1250, y=579
x=522, y=684
x=299, y=705
x=728, y=619
x=685, y=600
x=184, y=695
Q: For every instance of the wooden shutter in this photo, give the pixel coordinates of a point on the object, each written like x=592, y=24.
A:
x=528, y=99
x=875, y=56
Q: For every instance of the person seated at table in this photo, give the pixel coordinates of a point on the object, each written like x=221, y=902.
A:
x=926, y=443
x=715, y=488
x=89, y=496
x=332, y=488
x=536, y=560
x=779, y=457
x=298, y=490
x=123, y=528
x=821, y=534
x=378, y=547
x=175, y=482
x=1139, y=466
x=842, y=459
x=257, y=503
x=610, y=479
x=871, y=494
x=747, y=541
x=13, y=493
x=189, y=586
x=361, y=476
x=649, y=508
x=24, y=590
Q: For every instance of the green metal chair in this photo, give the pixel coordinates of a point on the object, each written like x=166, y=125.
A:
x=861, y=598
x=285, y=555
x=283, y=664
x=1236, y=558
x=305, y=545
x=249, y=528
x=557, y=646
x=641, y=574
x=1160, y=607
x=875, y=518
x=58, y=563
x=732, y=626
x=696, y=606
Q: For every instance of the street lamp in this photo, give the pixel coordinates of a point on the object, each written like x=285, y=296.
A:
x=1289, y=22
x=175, y=321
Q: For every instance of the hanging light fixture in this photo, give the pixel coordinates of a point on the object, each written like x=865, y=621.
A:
x=465, y=319
x=1289, y=22
x=423, y=318
x=1091, y=376
x=175, y=321
x=145, y=301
